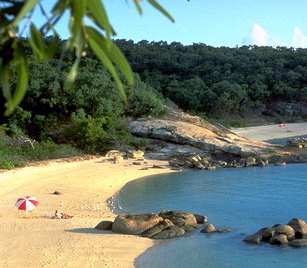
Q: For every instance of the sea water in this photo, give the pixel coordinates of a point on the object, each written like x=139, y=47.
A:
x=242, y=199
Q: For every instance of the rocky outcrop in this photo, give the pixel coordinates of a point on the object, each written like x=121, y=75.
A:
x=163, y=225
x=185, y=130
x=135, y=224
x=281, y=234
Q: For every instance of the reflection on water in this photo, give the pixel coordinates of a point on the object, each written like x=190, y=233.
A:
x=243, y=199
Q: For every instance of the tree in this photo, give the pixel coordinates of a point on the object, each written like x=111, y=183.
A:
x=82, y=36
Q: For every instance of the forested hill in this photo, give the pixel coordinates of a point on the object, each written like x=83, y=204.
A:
x=219, y=81
x=232, y=85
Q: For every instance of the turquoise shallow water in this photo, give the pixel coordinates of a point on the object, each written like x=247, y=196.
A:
x=243, y=199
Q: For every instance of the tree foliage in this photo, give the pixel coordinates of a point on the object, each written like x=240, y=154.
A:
x=89, y=28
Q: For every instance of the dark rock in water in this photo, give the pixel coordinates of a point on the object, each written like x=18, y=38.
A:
x=208, y=229
x=179, y=218
x=200, y=219
x=299, y=226
x=135, y=224
x=104, y=225
x=253, y=239
x=298, y=243
x=158, y=228
x=266, y=234
x=171, y=232
x=279, y=239
x=286, y=230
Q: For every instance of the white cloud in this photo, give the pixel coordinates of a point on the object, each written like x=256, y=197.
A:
x=259, y=36
x=299, y=39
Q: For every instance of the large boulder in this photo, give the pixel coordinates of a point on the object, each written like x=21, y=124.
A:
x=104, y=225
x=179, y=218
x=286, y=230
x=209, y=228
x=136, y=154
x=135, y=224
x=298, y=243
x=171, y=232
x=158, y=228
x=266, y=233
x=299, y=226
x=279, y=239
x=200, y=219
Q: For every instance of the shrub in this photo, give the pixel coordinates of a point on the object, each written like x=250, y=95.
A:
x=144, y=101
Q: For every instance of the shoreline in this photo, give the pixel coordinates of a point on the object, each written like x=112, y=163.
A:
x=86, y=186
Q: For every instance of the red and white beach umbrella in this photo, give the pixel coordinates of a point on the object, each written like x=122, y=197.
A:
x=27, y=203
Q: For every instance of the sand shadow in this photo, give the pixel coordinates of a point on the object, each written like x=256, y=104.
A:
x=88, y=231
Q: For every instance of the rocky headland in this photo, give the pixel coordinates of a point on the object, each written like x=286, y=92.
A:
x=188, y=141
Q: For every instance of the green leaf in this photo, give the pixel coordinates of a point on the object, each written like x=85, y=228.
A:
x=5, y=81
x=22, y=84
x=98, y=12
x=37, y=43
x=72, y=75
x=102, y=56
x=114, y=53
x=138, y=6
x=27, y=7
x=156, y=5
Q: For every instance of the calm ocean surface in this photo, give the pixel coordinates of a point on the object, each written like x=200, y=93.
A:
x=243, y=199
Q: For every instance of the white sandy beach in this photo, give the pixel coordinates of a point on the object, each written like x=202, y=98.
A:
x=39, y=241
x=270, y=132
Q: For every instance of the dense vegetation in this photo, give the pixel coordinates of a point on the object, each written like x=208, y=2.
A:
x=214, y=82
x=221, y=81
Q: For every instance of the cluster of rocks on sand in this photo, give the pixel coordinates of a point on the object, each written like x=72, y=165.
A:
x=293, y=234
x=163, y=225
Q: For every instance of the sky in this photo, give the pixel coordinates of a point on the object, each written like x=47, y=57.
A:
x=213, y=22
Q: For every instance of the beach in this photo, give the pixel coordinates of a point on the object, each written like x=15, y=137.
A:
x=278, y=133
x=85, y=186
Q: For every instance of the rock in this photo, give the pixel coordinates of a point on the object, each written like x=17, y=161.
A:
x=135, y=224
x=179, y=218
x=158, y=228
x=171, y=232
x=200, y=219
x=104, y=225
x=298, y=243
x=199, y=134
x=209, y=228
x=136, y=163
x=57, y=193
x=189, y=228
x=117, y=159
x=266, y=234
x=114, y=153
x=299, y=226
x=253, y=239
x=250, y=161
x=138, y=154
x=279, y=239
x=262, y=163
x=286, y=230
